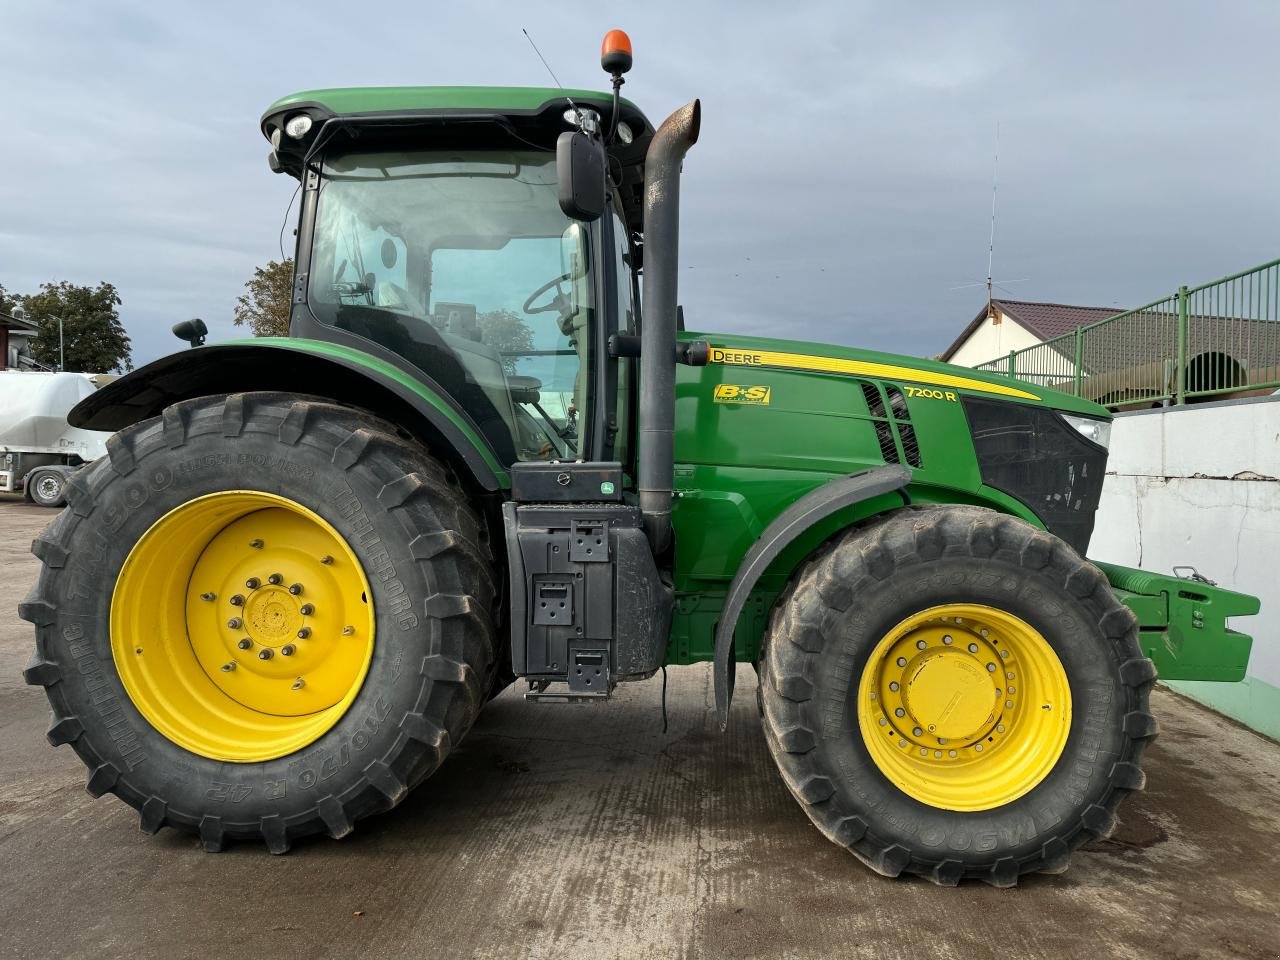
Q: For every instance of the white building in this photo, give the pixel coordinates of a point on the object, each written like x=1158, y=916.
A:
x=1015, y=325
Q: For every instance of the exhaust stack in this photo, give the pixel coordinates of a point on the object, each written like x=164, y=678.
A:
x=657, y=411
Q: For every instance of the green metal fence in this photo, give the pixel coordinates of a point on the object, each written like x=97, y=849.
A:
x=1218, y=338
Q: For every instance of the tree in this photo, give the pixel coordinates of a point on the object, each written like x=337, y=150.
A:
x=507, y=333
x=267, y=300
x=94, y=339
x=7, y=300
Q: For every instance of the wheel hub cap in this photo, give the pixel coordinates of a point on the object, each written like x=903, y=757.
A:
x=950, y=694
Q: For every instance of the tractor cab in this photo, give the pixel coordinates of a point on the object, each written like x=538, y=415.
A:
x=433, y=236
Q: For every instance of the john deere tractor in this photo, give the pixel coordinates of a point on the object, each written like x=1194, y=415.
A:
x=281, y=600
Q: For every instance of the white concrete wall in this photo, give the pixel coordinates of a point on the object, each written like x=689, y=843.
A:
x=993, y=340
x=1200, y=486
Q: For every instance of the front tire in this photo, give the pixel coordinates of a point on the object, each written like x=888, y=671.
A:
x=952, y=693
x=262, y=617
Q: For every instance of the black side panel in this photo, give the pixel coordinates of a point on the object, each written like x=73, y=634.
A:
x=800, y=516
x=244, y=368
x=1032, y=454
x=587, y=605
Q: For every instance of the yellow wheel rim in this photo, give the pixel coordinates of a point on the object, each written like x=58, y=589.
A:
x=964, y=707
x=241, y=626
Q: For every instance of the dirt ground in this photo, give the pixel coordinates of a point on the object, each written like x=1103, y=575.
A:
x=583, y=831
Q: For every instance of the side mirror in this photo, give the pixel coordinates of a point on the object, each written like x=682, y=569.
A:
x=192, y=331
x=580, y=165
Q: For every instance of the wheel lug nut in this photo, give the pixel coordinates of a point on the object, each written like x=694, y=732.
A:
x=894, y=686
x=326, y=559
x=917, y=732
x=245, y=643
x=920, y=644
x=287, y=650
x=235, y=623
x=208, y=596
x=307, y=609
x=298, y=684
x=348, y=631
x=902, y=661
x=304, y=633
x=973, y=648
x=275, y=578
x=991, y=668
x=947, y=640
x=228, y=667
x=253, y=583
x=264, y=654
x=237, y=601
x=899, y=712
x=295, y=588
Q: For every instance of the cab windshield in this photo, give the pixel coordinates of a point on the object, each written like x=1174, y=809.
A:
x=463, y=263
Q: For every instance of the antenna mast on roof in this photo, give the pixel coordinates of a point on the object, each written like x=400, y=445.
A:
x=548, y=66
x=991, y=244
x=990, y=283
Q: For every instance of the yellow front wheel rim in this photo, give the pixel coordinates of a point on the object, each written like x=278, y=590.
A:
x=964, y=707
x=242, y=626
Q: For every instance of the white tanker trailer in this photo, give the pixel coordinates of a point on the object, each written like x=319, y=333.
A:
x=38, y=449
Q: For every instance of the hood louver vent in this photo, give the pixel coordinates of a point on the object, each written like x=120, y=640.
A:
x=892, y=422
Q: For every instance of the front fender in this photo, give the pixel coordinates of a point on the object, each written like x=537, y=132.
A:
x=813, y=507
x=310, y=367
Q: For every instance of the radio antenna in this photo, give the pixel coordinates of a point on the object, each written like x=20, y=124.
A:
x=551, y=72
x=991, y=243
x=991, y=284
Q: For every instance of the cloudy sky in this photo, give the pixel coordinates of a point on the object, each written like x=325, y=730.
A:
x=841, y=189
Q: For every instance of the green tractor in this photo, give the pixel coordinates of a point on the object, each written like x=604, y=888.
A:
x=306, y=563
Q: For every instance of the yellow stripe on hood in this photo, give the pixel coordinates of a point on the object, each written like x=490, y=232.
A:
x=860, y=368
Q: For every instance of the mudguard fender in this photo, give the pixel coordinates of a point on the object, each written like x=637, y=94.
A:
x=309, y=367
x=813, y=507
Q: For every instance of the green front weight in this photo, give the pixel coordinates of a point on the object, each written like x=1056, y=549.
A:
x=1182, y=624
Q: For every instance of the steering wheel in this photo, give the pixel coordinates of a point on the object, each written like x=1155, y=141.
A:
x=559, y=303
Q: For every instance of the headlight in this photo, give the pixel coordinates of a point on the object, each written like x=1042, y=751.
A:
x=1097, y=431
x=297, y=126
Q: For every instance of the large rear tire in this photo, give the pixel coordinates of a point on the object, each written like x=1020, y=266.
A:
x=262, y=617
x=952, y=693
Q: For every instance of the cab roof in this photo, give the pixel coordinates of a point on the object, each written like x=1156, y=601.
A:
x=498, y=116
x=509, y=101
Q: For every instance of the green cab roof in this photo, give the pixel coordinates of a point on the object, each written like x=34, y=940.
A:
x=496, y=100
x=394, y=116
